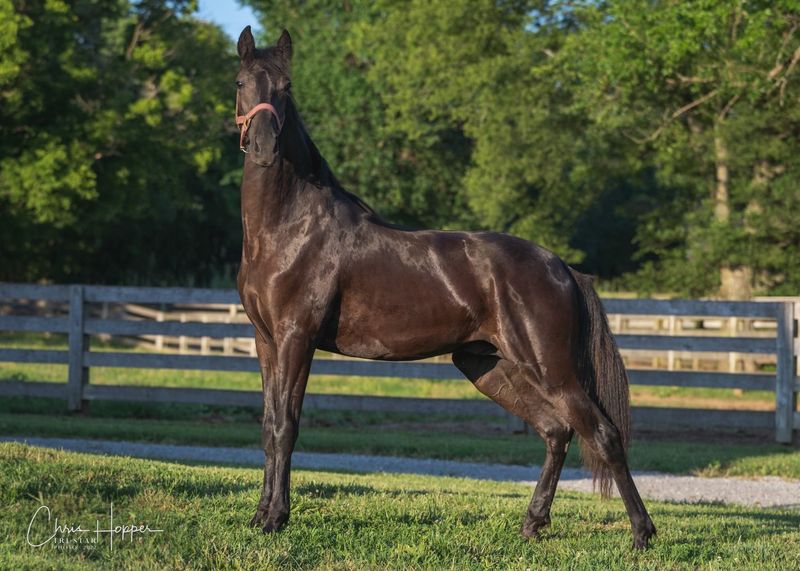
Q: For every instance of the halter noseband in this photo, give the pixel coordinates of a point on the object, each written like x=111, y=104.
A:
x=243, y=121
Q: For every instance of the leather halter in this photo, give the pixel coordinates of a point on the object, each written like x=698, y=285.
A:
x=243, y=121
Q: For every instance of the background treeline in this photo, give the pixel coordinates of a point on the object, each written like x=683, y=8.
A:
x=653, y=143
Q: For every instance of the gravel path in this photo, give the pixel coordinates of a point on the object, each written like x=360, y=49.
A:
x=764, y=492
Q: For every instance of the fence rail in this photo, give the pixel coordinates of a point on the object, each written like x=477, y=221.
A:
x=79, y=325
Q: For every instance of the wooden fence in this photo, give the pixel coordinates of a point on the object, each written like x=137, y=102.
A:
x=79, y=324
x=624, y=324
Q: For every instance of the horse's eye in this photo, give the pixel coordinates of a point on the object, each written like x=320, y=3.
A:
x=287, y=87
x=239, y=84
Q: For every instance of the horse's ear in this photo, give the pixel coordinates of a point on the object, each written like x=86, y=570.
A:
x=285, y=44
x=246, y=45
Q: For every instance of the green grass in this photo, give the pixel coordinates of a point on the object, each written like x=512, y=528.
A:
x=350, y=385
x=345, y=521
x=322, y=384
x=377, y=434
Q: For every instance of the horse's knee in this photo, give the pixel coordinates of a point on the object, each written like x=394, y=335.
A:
x=285, y=431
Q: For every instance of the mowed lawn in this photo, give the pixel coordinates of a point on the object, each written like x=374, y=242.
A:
x=346, y=521
x=338, y=433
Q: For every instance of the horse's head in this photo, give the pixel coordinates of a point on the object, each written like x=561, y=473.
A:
x=262, y=92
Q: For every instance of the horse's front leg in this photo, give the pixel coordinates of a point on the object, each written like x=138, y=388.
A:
x=283, y=401
x=265, y=348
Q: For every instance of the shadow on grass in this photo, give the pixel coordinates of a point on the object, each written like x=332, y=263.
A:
x=108, y=488
x=327, y=491
x=778, y=521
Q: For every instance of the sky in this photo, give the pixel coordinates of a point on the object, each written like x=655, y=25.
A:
x=229, y=14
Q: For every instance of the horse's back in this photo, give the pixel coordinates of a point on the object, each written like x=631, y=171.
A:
x=409, y=294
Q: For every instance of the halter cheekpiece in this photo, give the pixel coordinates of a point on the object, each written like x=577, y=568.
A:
x=243, y=121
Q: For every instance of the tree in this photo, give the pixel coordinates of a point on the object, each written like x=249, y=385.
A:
x=488, y=69
x=346, y=115
x=653, y=139
x=116, y=140
x=709, y=90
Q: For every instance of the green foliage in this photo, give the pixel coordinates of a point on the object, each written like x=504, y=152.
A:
x=701, y=86
x=11, y=56
x=45, y=180
x=602, y=130
x=343, y=109
x=115, y=141
x=474, y=67
x=628, y=105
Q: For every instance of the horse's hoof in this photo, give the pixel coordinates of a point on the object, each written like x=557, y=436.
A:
x=531, y=535
x=642, y=540
x=271, y=525
x=531, y=527
x=259, y=519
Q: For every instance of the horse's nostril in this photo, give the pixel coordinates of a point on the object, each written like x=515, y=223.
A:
x=257, y=146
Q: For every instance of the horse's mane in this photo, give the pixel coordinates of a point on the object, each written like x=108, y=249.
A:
x=320, y=172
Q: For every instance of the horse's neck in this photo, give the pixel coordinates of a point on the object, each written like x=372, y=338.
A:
x=267, y=196
x=272, y=196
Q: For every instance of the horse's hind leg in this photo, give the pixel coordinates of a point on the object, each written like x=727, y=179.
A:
x=556, y=436
x=554, y=419
x=604, y=441
x=494, y=377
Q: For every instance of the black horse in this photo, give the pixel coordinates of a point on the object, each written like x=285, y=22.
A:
x=320, y=269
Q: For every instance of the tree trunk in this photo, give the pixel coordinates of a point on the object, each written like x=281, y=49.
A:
x=735, y=281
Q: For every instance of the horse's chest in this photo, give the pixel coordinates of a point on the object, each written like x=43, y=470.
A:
x=276, y=288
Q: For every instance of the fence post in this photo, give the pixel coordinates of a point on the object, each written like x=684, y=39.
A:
x=78, y=374
x=795, y=368
x=785, y=400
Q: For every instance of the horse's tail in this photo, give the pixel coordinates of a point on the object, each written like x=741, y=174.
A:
x=603, y=375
